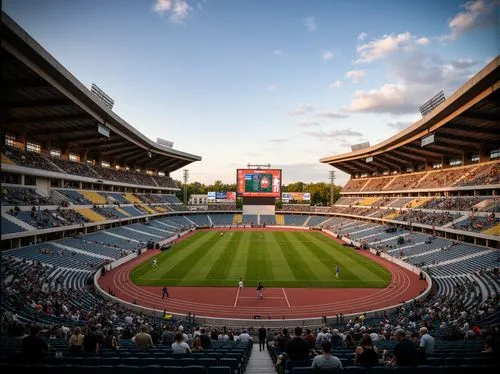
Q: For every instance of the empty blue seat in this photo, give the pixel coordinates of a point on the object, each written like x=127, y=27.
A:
x=219, y=370
x=194, y=369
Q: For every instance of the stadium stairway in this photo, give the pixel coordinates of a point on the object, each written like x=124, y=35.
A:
x=260, y=362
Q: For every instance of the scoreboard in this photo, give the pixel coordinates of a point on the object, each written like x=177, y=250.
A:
x=258, y=182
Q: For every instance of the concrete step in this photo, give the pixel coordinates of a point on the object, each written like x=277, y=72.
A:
x=260, y=362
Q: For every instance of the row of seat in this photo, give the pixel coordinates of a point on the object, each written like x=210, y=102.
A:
x=421, y=369
x=120, y=369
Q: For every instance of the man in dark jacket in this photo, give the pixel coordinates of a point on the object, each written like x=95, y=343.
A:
x=262, y=338
x=34, y=347
x=297, y=348
x=405, y=351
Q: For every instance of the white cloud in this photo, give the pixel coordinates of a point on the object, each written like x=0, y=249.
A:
x=336, y=84
x=478, y=13
x=355, y=75
x=333, y=133
x=456, y=69
x=278, y=52
x=398, y=125
x=176, y=10
x=328, y=55
x=272, y=87
x=308, y=124
x=362, y=36
x=379, y=48
x=302, y=108
x=390, y=98
x=332, y=115
x=416, y=78
x=310, y=23
x=315, y=172
x=423, y=41
x=431, y=72
x=278, y=140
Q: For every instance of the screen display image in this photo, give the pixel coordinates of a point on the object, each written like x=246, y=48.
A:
x=257, y=182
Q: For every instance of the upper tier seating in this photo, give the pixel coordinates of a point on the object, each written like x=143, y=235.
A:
x=377, y=184
x=354, y=185
x=39, y=161
x=165, y=181
x=75, y=168
x=471, y=175
x=23, y=196
x=489, y=174
x=296, y=207
x=29, y=159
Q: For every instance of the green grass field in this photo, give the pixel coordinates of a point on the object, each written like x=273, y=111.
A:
x=278, y=259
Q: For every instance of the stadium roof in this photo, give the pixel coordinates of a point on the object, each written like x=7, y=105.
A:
x=467, y=122
x=43, y=102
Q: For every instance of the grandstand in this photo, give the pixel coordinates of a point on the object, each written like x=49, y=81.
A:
x=449, y=186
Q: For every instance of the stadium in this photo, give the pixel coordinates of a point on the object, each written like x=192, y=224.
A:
x=91, y=221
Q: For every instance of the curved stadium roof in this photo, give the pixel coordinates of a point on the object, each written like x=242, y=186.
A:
x=468, y=121
x=45, y=103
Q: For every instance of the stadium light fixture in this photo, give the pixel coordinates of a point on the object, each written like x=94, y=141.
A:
x=332, y=181
x=432, y=103
x=185, y=176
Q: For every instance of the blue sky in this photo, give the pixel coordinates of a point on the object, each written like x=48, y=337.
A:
x=280, y=82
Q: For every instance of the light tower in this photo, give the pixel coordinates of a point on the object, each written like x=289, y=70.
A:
x=332, y=180
x=185, y=175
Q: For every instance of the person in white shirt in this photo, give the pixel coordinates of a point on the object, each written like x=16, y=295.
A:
x=326, y=361
x=179, y=345
x=240, y=284
x=426, y=341
x=244, y=337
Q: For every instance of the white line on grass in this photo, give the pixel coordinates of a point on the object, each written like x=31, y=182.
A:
x=286, y=298
x=236, y=299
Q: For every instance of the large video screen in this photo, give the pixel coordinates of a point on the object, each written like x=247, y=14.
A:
x=258, y=182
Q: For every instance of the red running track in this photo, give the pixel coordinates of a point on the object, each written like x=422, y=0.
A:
x=278, y=303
